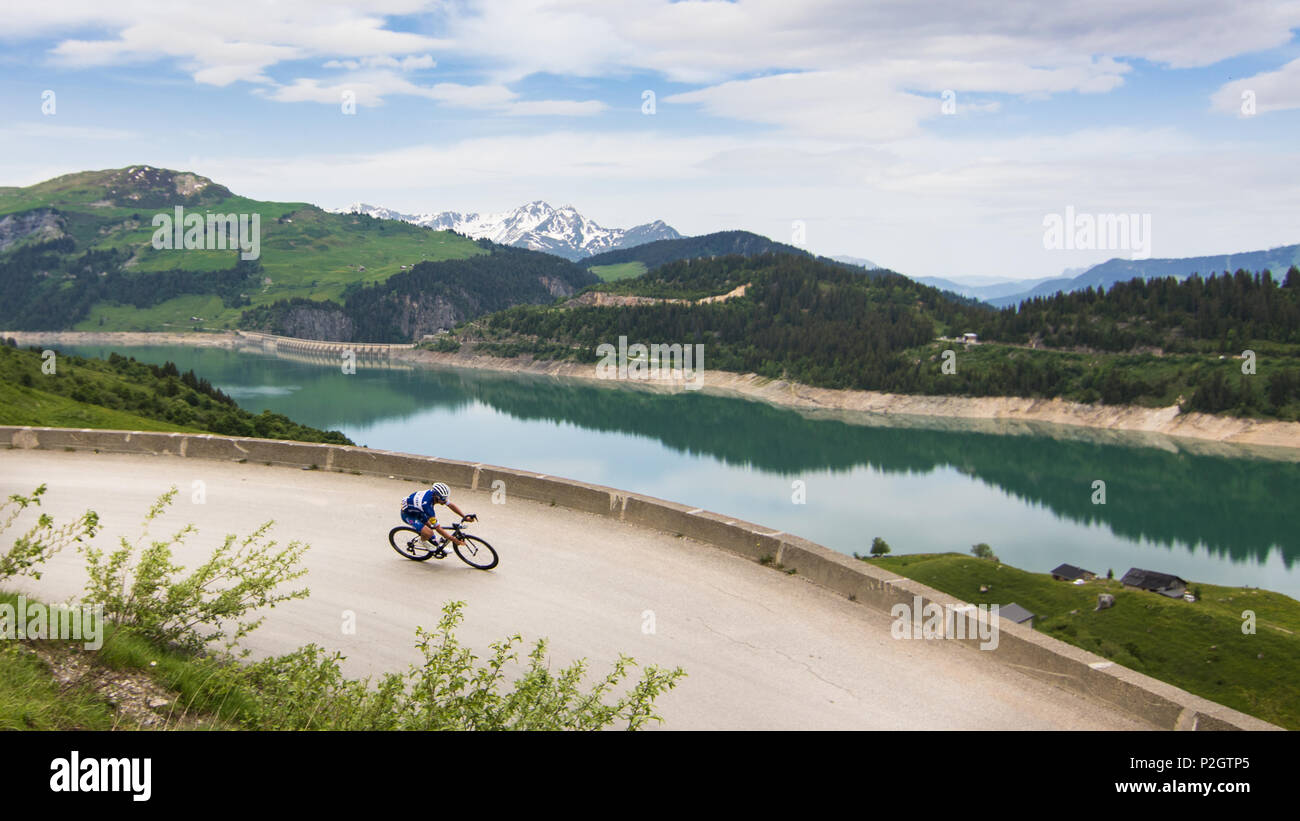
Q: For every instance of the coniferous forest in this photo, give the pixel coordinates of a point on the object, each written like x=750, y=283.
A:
x=1145, y=342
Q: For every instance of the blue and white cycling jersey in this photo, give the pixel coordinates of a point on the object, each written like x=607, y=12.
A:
x=418, y=510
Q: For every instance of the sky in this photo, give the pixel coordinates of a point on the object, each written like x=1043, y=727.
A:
x=938, y=139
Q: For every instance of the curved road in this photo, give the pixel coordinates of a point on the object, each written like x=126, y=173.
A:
x=762, y=650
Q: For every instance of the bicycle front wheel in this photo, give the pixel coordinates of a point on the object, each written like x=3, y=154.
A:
x=409, y=545
x=477, y=553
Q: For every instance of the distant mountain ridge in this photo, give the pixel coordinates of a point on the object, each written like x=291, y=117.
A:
x=719, y=244
x=536, y=226
x=990, y=290
x=1104, y=275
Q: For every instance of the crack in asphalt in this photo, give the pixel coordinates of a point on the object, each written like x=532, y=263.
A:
x=784, y=655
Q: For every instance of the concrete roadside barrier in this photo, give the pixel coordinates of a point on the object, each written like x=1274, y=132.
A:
x=1018, y=647
x=550, y=490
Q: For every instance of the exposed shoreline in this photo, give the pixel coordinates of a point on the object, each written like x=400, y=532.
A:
x=1001, y=410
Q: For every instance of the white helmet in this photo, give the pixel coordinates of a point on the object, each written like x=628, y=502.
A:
x=441, y=491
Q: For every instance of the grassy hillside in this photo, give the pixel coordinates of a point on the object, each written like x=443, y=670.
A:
x=29, y=406
x=121, y=393
x=431, y=297
x=623, y=270
x=105, y=221
x=1198, y=646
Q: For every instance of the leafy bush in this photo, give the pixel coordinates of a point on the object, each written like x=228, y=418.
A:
x=444, y=344
x=42, y=540
x=150, y=598
x=306, y=689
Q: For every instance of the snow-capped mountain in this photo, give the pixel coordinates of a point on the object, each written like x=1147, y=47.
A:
x=536, y=226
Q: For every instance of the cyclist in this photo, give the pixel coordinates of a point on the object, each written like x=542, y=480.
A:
x=418, y=512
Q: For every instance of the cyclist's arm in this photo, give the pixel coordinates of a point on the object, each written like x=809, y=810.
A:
x=444, y=534
x=456, y=510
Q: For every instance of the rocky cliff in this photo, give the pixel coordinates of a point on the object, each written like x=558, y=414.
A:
x=39, y=225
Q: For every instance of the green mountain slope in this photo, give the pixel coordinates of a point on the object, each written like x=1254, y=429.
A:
x=430, y=297
x=76, y=252
x=121, y=393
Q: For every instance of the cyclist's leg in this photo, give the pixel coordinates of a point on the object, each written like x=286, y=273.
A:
x=426, y=527
x=418, y=522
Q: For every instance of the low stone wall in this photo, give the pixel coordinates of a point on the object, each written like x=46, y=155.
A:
x=1020, y=647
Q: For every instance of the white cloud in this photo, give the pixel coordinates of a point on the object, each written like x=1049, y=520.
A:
x=411, y=63
x=370, y=89
x=847, y=104
x=1014, y=47
x=699, y=42
x=1270, y=91
x=488, y=96
x=238, y=40
x=598, y=157
x=555, y=108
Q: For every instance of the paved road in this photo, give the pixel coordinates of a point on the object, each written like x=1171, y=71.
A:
x=762, y=649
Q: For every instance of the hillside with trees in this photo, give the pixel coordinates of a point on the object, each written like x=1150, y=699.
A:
x=77, y=252
x=432, y=296
x=1216, y=313
x=123, y=393
x=706, y=246
x=1121, y=270
x=1149, y=343
x=721, y=243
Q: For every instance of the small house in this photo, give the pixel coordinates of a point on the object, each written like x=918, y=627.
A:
x=1017, y=614
x=969, y=338
x=1163, y=583
x=1068, y=573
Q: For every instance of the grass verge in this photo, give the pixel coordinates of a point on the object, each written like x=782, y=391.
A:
x=1199, y=646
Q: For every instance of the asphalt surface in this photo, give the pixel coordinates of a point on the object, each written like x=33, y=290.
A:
x=762, y=650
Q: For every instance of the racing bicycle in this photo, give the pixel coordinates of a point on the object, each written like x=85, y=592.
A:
x=474, y=551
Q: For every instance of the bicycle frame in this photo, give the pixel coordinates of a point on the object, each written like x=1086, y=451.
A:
x=439, y=542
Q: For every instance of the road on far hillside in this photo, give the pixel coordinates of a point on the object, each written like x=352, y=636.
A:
x=762, y=650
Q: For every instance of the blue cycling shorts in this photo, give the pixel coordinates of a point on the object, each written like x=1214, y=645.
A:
x=417, y=519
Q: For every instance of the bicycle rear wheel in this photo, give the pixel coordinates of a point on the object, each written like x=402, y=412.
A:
x=476, y=553
x=409, y=545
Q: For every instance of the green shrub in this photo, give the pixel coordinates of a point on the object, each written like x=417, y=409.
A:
x=149, y=596
x=42, y=540
x=306, y=689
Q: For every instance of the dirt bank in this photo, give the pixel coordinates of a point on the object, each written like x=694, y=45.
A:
x=1166, y=421
x=1162, y=421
